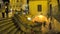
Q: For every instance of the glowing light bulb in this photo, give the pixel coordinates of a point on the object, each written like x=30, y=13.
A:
x=29, y=18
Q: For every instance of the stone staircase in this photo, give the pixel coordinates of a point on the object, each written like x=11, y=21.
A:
x=7, y=26
x=11, y=26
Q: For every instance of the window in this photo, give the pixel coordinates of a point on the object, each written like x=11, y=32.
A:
x=39, y=8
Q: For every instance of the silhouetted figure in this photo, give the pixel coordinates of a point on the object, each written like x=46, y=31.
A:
x=6, y=8
x=3, y=14
x=6, y=11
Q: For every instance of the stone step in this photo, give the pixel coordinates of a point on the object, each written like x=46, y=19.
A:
x=6, y=31
x=6, y=26
x=6, y=20
x=13, y=31
x=5, y=23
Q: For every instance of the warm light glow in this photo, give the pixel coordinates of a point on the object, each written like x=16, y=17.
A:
x=39, y=18
x=29, y=18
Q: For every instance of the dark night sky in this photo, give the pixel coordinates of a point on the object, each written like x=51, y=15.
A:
x=5, y=0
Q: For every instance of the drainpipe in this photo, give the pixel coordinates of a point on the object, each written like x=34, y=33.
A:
x=50, y=14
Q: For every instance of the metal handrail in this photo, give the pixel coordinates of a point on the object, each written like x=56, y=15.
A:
x=20, y=23
x=24, y=25
x=17, y=19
